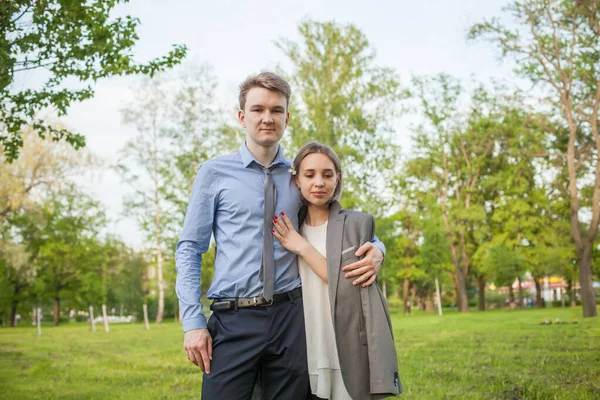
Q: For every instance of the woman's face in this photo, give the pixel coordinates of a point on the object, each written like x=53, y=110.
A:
x=317, y=179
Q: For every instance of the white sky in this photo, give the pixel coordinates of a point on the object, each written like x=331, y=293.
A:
x=237, y=39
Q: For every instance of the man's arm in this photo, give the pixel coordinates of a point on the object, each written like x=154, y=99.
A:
x=194, y=241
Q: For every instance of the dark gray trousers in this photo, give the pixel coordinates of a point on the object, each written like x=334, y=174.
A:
x=266, y=340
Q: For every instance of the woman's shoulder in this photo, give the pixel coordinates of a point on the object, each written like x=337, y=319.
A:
x=357, y=216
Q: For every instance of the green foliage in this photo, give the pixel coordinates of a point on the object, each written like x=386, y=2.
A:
x=70, y=40
x=342, y=98
x=435, y=250
x=555, y=44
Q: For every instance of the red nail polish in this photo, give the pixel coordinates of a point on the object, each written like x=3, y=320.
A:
x=275, y=217
x=273, y=230
x=282, y=213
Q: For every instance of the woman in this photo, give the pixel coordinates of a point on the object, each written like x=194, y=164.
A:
x=351, y=353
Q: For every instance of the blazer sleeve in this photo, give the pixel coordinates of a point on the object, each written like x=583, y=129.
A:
x=383, y=361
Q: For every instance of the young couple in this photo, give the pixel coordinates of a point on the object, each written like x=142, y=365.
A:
x=293, y=298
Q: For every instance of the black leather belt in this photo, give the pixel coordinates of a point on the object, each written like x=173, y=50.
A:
x=234, y=304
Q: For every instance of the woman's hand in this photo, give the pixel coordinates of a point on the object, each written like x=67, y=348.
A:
x=290, y=239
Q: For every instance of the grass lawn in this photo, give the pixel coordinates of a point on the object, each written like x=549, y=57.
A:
x=481, y=355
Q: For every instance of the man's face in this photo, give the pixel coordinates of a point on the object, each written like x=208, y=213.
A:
x=265, y=116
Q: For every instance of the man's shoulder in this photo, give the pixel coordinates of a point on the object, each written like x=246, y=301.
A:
x=219, y=162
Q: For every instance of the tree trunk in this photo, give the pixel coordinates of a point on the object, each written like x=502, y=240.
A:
x=92, y=322
x=538, y=292
x=521, y=295
x=460, y=284
x=56, y=310
x=405, y=300
x=13, y=306
x=481, y=300
x=438, y=295
x=588, y=294
x=158, y=229
x=583, y=245
x=511, y=296
x=38, y=320
x=105, y=318
x=571, y=293
x=145, y=306
x=13, y=314
x=429, y=305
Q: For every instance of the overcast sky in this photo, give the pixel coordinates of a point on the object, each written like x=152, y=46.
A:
x=237, y=39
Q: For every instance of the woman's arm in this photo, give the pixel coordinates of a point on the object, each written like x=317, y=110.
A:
x=290, y=239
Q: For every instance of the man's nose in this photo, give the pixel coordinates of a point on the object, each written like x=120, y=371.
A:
x=267, y=117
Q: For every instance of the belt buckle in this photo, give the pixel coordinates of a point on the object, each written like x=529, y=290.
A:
x=261, y=301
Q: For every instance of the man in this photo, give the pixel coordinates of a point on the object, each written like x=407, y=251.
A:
x=257, y=323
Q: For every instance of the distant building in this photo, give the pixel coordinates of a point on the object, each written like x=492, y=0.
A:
x=552, y=287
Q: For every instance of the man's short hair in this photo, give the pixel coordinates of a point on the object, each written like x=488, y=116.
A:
x=265, y=80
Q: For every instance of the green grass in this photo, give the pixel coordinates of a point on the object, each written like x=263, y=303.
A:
x=480, y=355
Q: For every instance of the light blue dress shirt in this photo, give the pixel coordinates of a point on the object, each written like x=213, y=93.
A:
x=228, y=201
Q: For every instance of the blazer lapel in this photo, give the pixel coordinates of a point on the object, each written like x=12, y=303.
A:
x=335, y=235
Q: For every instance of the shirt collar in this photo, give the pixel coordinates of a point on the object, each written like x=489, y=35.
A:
x=248, y=158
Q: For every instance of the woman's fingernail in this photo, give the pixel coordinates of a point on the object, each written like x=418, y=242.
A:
x=282, y=213
x=273, y=230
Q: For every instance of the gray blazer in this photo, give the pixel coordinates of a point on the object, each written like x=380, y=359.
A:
x=361, y=320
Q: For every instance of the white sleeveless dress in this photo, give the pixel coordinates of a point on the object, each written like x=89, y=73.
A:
x=323, y=361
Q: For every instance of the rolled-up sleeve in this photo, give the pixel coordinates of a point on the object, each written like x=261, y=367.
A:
x=193, y=242
x=379, y=244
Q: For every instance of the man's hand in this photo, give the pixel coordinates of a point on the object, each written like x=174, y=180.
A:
x=367, y=268
x=198, y=347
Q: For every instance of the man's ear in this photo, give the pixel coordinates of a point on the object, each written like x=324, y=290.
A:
x=287, y=119
x=242, y=118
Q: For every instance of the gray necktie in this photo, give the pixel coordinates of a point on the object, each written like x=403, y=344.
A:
x=267, y=268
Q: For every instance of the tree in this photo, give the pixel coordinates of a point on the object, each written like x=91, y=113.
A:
x=435, y=253
x=17, y=273
x=69, y=40
x=400, y=232
x=177, y=130
x=42, y=165
x=148, y=115
x=556, y=47
x=450, y=151
x=342, y=98
x=66, y=239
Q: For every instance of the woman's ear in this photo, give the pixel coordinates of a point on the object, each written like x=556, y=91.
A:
x=296, y=181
